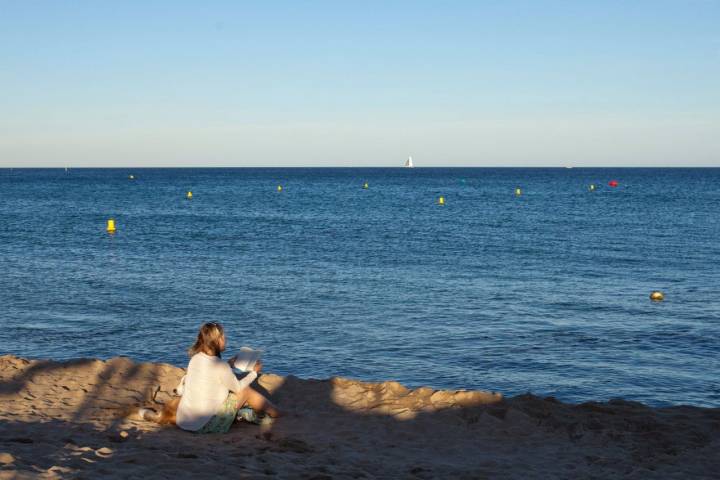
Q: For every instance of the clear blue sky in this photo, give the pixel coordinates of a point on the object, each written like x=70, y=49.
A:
x=171, y=83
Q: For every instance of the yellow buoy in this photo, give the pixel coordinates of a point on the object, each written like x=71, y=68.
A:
x=441, y=201
x=518, y=192
x=279, y=188
x=365, y=185
x=189, y=195
x=657, y=296
x=592, y=187
x=111, y=226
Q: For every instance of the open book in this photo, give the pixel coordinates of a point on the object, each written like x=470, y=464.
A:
x=246, y=359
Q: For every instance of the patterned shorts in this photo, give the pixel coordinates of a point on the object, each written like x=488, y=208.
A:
x=224, y=418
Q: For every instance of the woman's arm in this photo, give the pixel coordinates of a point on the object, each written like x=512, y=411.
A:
x=232, y=383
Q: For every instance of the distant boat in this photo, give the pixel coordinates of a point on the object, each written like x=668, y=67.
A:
x=408, y=163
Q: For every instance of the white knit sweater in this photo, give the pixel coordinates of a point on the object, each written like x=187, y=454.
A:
x=204, y=389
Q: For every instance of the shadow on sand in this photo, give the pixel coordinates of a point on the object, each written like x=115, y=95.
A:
x=74, y=420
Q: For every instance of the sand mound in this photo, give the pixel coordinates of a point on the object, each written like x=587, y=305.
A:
x=75, y=419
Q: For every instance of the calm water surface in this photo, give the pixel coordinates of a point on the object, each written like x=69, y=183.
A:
x=546, y=292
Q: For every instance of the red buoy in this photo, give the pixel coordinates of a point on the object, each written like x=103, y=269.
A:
x=613, y=183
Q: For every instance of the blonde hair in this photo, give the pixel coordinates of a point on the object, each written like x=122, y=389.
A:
x=208, y=340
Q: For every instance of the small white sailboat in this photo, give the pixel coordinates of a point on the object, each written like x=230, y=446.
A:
x=409, y=163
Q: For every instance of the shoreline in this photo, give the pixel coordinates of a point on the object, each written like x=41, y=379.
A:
x=76, y=418
x=550, y=396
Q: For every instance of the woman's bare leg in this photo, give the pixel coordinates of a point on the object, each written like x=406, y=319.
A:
x=258, y=402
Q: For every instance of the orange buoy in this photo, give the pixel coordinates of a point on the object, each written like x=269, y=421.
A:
x=613, y=183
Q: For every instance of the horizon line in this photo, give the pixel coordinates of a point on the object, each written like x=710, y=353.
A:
x=228, y=167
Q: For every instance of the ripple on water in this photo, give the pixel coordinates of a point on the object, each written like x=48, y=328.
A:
x=544, y=293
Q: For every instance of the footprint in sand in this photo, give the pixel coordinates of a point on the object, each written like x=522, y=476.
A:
x=293, y=445
x=104, y=452
x=186, y=455
x=22, y=440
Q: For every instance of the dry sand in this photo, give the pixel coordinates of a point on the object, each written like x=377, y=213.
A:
x=75, y=420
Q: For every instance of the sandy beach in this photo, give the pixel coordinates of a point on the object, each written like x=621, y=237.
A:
x=77, y=419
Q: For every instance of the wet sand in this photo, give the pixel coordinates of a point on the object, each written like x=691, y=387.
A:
x=78, y=419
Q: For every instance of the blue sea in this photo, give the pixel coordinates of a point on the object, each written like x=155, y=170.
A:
x=546, y=292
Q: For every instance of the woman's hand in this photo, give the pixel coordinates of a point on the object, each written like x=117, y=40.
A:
x=231, y=362
x=257, y=367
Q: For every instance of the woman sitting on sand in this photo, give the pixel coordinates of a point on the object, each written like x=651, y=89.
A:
x=211, y=394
